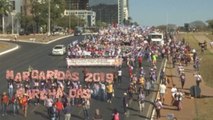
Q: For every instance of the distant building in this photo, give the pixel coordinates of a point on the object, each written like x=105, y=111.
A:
x=123, y=11
x=87, y=15
x=106, y=10
x=76, y=4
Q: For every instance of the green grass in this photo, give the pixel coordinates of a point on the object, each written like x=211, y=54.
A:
x=205, y=109
x=204, y=105
x=206, y=68
x=210, y=36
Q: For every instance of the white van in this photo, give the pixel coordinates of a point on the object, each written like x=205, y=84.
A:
x=156, y=37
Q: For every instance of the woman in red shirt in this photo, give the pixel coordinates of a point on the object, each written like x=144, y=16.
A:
x=24, y=104
x=4, y=102
x=59, y=106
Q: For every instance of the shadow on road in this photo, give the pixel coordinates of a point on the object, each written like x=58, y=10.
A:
x=41, y=114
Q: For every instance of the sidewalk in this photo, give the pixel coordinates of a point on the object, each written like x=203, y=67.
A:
x=189, y=104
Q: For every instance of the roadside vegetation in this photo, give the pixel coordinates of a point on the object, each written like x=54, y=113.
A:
x=206, y=67
x=204, y=105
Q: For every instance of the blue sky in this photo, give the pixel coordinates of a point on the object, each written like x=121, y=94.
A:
x=158, y=12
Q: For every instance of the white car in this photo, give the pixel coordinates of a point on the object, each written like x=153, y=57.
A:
x=59, y=50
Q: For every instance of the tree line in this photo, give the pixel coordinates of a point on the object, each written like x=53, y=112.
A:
x=34, y=15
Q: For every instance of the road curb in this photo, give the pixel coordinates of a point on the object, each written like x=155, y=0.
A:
x=17, y=46
x=9, y=50
x=28, y=41
x=58, y=39
x=164, y=68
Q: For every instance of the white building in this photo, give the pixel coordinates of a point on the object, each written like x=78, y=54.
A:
x=87, y=15
x=123, y=10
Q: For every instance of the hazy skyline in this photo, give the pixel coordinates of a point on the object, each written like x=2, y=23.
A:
x=96, y=2
x=161, y=12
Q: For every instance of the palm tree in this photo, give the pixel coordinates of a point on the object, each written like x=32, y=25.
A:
x=5, y=9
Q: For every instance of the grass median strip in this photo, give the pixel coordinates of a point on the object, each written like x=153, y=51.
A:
x=204, y=105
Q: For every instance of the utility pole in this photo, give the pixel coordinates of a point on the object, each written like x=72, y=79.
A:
x=69, y=12
x=12, y=15
x=48, y=18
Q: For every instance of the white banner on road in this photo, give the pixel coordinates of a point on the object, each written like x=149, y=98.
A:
x=94, y=61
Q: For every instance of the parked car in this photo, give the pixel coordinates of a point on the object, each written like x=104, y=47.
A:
x=59, y=50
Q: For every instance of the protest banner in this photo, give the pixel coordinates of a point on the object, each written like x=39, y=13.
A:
x=73, y=93
x=59, y=75
x=94, y=61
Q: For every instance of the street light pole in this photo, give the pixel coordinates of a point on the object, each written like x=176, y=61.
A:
x=100, y=15
x=69, y=13
x=48, y=18
x=13, y=13
x=12, y=24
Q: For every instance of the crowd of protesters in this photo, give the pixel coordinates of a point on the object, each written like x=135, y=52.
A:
x=180, y=54
x=127, y=42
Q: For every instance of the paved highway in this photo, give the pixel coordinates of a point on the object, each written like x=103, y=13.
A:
x=38, y=56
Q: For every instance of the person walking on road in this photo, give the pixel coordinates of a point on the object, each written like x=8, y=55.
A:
x=158, y=107
x=182, y=79
x=15, y=104
x=110, y=92
x=141, y=101
x=59, y=106
x=103, y=91
x=4, y=103
x=119, y=76
x=162, y=90
x=178, y=99
x=48, y=103
x=67, y=112
x=86, y=107
x=53, y=112
x=173, y=92
x=198, y=79
x=147, y=87
x=24, y=104
x=10, y=89
x=115, y=115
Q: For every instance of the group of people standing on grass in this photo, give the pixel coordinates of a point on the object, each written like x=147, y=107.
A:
x=181, y=55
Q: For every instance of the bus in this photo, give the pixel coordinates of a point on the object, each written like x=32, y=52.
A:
x=156, y=37
x=78, y=30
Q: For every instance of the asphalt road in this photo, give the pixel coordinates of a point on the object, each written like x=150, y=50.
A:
x=38, y=56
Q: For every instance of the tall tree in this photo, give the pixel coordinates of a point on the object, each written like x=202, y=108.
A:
x=210, y=24
x=5, y=9
x=40, y=11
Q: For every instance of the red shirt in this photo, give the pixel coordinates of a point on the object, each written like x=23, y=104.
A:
x=59, y=106
x=24, y=101
x=5, y=99
x=140, y=59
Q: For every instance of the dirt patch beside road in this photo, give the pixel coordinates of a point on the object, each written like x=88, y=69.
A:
x=32, y=38
x=193, y=108
x=5, y=46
